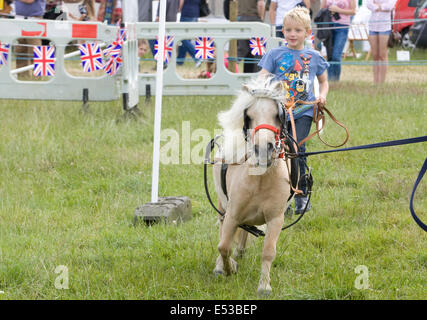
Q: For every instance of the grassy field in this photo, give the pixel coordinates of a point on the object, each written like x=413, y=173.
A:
x=70, y=182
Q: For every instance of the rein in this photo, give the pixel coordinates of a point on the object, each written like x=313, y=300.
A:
x=318, y=115
x=382, y=145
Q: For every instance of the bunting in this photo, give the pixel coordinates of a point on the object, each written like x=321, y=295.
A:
x=204, y=48
x=4, y=52
x=44, y=61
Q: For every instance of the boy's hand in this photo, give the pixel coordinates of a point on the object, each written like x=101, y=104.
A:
x=322, y=101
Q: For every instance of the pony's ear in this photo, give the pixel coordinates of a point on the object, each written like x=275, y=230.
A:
x=245, y=87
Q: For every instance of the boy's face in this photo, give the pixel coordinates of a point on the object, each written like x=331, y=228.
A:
x=295, y=34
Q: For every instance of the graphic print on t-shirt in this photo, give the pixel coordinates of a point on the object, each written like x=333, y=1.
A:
x=295, y=76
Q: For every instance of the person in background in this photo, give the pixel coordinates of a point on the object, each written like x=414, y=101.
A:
x=145, y=14
x=379, y=32
x=143, y=47
x=54, y=9
x=87, y=11
x=172, y=9
x=341, y=11
x=109, y=11
x=278, y=9
x=145, y=11
x=190, y=12
x=249, y=10
x=27, y=9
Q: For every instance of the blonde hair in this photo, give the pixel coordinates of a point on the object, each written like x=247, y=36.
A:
x=299, y=14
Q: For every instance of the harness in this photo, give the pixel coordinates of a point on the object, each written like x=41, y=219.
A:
x=285, y=144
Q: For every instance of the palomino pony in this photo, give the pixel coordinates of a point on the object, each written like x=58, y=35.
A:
x=257, y=181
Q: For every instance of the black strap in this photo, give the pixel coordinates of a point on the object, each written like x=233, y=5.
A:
x=381, y=145
x=211, y=145
x=411, y=204
x=224, y=168
x=368, y=146
x=209, y=149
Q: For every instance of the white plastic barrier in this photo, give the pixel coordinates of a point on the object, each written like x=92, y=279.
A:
x=62, y=86
x=129, y=74
x=223, y=82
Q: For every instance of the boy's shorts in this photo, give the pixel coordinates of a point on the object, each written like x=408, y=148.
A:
x=380, y=33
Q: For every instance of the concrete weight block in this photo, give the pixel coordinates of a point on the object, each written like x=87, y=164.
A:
x=167, y=209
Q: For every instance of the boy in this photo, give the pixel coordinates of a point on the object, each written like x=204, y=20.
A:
x=297, y=67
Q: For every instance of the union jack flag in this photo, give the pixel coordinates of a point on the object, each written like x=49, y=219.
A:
x=114, y=53
x=4, y=52
x=312, y=39
x=44, y=61
x=121, y=37
x=257, y=46
x=91, y=57
x=204, y=48
x=114, y=49
x=168, y=48
x=113, y=65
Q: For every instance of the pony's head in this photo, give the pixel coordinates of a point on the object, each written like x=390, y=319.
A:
x=255, y=121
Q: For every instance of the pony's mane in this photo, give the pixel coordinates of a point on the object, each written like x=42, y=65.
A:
x=231, y=121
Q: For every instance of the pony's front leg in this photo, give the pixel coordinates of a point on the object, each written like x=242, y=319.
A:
x=274, y=228
x=224, y=264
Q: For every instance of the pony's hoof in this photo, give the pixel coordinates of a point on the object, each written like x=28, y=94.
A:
x=218, y=272
x=264, y=292
x=234, y=266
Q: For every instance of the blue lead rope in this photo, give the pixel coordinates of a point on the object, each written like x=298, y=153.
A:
x=369, y=146
x=411, y=205
x=388, y=144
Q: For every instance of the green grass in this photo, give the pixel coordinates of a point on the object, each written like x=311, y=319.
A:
x=70, y=182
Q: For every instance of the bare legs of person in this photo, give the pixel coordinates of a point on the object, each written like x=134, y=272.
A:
x=379, y=51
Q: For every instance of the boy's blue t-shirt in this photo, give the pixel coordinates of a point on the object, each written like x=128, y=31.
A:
x=297, y=70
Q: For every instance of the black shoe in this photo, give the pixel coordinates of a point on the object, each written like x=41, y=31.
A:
x=289, y=211
x=302, y=203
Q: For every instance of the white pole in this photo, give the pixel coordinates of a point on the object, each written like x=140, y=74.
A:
x=158, y=106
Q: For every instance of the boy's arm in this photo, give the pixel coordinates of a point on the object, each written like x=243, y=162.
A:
x=323, y=88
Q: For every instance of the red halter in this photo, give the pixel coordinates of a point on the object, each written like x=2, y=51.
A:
x=279, y=142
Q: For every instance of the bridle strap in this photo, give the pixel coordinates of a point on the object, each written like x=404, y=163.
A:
x=266, y=126
x=280, y=141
